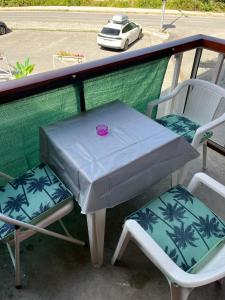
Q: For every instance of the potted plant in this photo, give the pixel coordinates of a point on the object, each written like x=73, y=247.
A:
x=21, y=70
x=69, y=56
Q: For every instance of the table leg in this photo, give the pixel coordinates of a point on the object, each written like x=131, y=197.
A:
x=96, y=232
x=175, y=178
x=178, y=176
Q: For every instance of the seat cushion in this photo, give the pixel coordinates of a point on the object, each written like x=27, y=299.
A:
x=183, y=127
x=183, y=226
x=32, y=196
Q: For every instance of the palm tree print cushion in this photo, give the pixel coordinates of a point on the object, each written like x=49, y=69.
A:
x=184, y=227
x=31, y=196
x=183, y=127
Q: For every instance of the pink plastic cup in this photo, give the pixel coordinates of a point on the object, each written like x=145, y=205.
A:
x=102, y=129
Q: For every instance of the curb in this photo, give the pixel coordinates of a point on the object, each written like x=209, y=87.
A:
x=109, y=9
x=158, y=34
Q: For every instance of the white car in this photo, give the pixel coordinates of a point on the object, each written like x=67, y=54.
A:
x=119, y=33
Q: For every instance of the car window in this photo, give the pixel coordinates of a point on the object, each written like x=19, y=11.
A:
x=127, y=28
x=133, y=25
x=110, y=31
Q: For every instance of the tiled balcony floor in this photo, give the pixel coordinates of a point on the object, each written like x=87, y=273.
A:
x=54, y=269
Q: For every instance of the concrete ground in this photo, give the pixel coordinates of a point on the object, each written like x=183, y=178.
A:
x=41, y=45
x=54, y=269
x=74, y=29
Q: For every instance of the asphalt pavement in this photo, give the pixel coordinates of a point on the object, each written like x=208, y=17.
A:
x=40, y=32
x=177, y=23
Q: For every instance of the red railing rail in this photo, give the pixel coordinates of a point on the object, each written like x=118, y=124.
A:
x=16, y=89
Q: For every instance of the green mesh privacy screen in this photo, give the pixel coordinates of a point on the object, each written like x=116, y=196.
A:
x=20, y=122
x=136, y=85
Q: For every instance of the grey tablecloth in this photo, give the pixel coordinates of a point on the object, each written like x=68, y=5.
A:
x=105, y=171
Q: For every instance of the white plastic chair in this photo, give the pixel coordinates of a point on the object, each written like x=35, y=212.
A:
x=15, y=230
x=5, y=70
x=181, y=283
x=205, y=107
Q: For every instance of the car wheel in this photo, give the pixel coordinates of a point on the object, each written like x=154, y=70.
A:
x=126, y=44
x=2, y=30
x=140, y=34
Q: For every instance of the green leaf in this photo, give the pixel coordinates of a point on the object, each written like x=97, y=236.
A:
x=23, y=69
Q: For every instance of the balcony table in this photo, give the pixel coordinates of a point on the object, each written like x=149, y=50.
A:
x=104, y=171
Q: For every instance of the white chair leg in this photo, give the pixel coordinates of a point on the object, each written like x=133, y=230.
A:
x=17, y=258
x=72, y=239
x=178, y=292
x=122, y=244
x=96, y=232
x=64, y=228
x=204, y=156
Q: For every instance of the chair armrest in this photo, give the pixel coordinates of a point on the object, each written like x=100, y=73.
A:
x=15, y=222
x=28, y=226
x=156, y=102
x=152, y=250
x=204, y=128
x=202, y=178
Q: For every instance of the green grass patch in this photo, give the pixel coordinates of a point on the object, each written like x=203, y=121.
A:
x=196, y=5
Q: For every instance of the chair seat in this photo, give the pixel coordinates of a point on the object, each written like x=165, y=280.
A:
x=183, y=226
x=182, y=126
x=31, y=196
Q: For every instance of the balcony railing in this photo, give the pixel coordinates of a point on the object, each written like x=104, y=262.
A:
x=78, y=81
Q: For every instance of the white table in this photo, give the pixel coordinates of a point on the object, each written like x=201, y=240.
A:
x=105, y=171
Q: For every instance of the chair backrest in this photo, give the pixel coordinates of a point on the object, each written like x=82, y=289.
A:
x=205, y=102
x=5, y=71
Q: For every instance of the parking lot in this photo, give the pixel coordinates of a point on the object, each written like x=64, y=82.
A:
x=40, y=45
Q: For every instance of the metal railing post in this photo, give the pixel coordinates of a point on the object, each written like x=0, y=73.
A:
x=176, y=73
x=194, y=71
x=163, y=14
x=218, y=68
x=197, y=58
